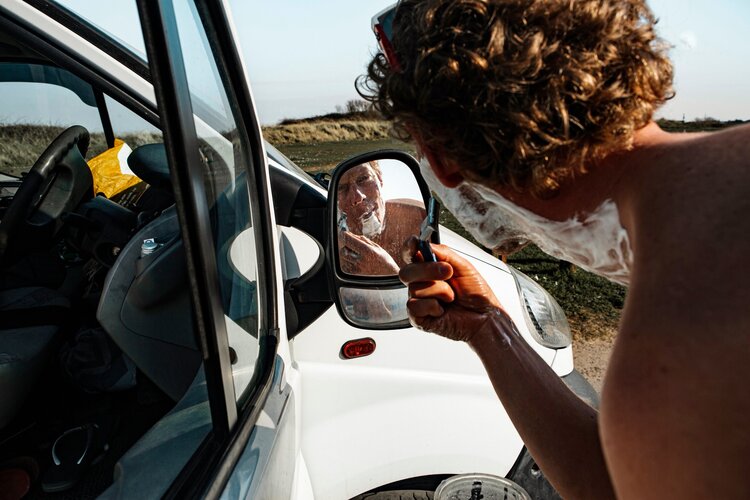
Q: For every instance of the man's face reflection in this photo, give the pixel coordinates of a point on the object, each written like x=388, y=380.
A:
x=359, y=199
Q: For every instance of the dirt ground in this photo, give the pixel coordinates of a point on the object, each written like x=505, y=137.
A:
x=592, y=347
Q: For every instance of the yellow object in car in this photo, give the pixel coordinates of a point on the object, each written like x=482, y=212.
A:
x=111, y=172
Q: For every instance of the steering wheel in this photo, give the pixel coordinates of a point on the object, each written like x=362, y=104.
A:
x=61, y=153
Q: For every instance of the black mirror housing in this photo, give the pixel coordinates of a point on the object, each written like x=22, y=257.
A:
x=376, y=201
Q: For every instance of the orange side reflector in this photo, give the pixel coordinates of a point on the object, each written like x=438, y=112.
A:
x=358, y=348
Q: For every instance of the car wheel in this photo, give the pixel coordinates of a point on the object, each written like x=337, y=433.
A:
x=397, y=495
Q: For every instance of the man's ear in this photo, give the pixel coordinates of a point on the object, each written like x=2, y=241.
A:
x=445, y=170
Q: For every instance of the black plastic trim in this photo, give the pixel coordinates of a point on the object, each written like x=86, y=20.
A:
x=101, y=104
x=582, y=388
x=527, y=474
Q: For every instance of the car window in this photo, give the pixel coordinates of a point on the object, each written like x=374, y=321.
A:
x=227, y=190
x=118, y=19
x=131, y=128
x=38, y=102
x=285, y=162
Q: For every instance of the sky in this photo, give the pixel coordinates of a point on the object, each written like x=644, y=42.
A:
x=303, y=56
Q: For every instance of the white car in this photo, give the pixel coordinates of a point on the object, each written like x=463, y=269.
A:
x=239, y=378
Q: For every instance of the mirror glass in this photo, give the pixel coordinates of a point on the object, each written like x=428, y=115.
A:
x=369, y=308
x=379, y=206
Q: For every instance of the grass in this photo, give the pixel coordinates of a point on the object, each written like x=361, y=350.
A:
x=326, y=131
x=698, y=125
x=21, y=144
x=317, y=157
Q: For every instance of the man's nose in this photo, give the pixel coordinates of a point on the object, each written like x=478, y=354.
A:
x=356, y=195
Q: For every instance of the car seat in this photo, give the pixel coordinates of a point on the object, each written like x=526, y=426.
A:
x=30, y=320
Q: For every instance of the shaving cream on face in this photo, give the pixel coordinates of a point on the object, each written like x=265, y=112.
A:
x=371, y=225
x=594, y=241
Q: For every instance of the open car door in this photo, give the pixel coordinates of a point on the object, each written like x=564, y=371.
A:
x=219, y=175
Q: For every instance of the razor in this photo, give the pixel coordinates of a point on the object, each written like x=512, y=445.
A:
x=428, y=227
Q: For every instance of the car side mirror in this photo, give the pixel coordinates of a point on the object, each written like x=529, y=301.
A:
x=376, y=202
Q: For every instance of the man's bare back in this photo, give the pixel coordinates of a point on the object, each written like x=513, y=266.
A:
x=674, y=405
x=537, y=116
x=675, y=401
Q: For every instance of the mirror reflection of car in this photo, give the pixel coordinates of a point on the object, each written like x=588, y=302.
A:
x=371, y=228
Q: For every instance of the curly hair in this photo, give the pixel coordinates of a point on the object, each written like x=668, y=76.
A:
x=522, y=93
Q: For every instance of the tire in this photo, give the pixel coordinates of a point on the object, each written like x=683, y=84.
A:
x=397, y=495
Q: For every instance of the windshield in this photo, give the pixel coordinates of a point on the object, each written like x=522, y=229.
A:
x=117, y=23
x=285, y=162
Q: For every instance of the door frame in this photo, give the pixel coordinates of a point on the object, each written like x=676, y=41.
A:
x=208, y=471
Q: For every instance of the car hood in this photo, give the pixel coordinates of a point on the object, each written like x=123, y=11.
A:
x=467, y=248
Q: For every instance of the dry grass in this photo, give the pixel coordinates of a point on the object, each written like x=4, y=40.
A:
x=21, y=144
x=590, y=325
x=327, y=131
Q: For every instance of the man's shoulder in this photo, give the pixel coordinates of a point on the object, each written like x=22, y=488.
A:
x=405, y=207
x=690, y=213
x=406, y=204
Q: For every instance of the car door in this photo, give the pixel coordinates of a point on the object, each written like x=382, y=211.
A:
x=221, y=183
x=235, y=432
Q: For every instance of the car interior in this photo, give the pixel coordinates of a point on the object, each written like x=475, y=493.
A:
x=96, y=336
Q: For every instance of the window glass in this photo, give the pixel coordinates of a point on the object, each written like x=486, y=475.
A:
x=38, y=102
x=118, y=19
x=225, y=176
x=131, y=128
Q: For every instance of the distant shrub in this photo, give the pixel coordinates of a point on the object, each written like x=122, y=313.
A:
x=697, y=125
x=340, y=114
x=326, y=131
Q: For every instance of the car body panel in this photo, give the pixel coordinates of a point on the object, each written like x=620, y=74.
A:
x=266, y=468
x=411, y=408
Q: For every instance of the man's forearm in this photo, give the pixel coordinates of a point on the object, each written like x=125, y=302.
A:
x=559, y=429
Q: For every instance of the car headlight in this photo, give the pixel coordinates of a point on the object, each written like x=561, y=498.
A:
x=544, y=316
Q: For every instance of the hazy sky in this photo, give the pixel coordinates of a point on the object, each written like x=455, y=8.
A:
x=303, y=56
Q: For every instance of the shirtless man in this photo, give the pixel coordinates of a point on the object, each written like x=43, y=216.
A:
x=535, y=122
x=372, y=231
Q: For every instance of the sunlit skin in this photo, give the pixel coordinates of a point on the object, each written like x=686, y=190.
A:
x=359, y=197
x=673, y=420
